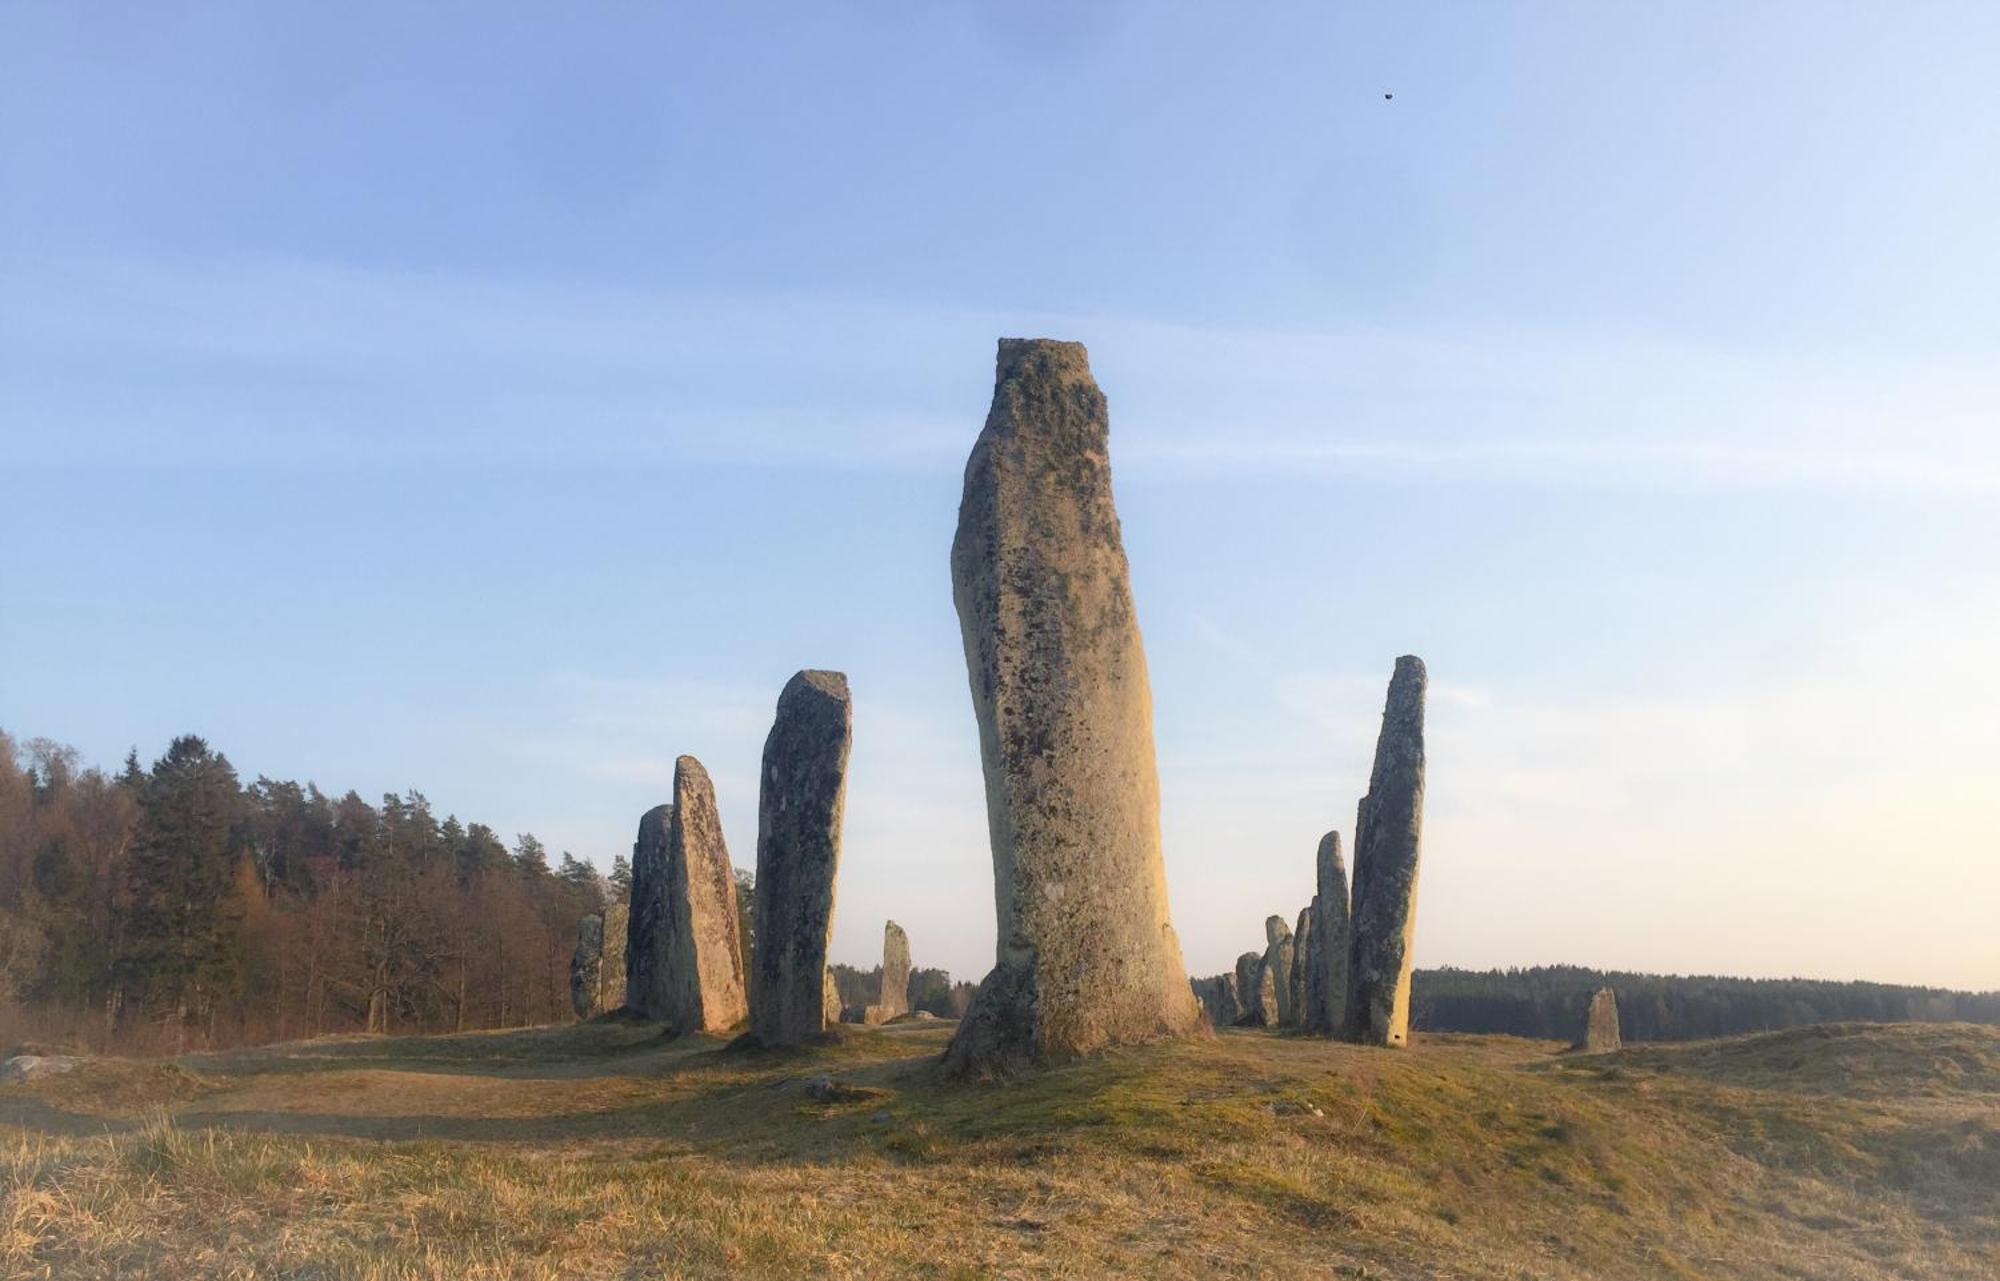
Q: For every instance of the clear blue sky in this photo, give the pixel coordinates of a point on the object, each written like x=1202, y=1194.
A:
x=499, y=401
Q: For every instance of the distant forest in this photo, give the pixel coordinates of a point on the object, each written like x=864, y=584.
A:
x=1550, y=1002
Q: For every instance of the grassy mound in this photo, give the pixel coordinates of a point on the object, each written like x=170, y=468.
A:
x=603, y=1151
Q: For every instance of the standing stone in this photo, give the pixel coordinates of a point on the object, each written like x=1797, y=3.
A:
x=686, y=957
x=801, y=798
x=1278, y=961
x=895, y=995
x=1600, y=1031
x=586, y=965
x=829, y=999
x=1085, y=955
x=611, y=965
x=1331, y=939
x=1217, y=996
x=1255, y=991
x=1302, y=968
x=646, y=973
x=1388, y=838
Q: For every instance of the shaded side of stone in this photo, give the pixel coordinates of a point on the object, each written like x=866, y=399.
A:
x=647, y=932
x=1086, y=956
x=586, y=964
x=1256, y=992
x=1331, y=938
x=1387, y=845
x=1304, y=991
x=1278, y=952
x=895, y=995
x=705, y=950
x=802, y=796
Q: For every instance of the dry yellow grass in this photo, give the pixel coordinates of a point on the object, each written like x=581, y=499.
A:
x=1855, y=1153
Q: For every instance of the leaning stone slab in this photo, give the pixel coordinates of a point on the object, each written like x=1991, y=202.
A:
x=1388, y=841
x=1278, y=962
x=1600, y=1030
x=895, y=994
x=1086, y=956
x=801, y=798
x=1331, y=939
x=586, y=964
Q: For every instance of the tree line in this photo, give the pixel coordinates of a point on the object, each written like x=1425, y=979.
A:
x=168, y=907
x=1550, y=1002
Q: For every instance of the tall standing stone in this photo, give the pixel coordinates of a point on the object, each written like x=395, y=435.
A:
x=1302, y=969
x=829, y=998
x=801, y=797
x=685, y=961
x=1332, y=939
x=1278, y=949
x=1388, y=839
x=646, y=929
x=586, y=967
x=1085, y=956
x=1255, y=991
x=1600, y=1029
x=611, y=967
x=895, y=995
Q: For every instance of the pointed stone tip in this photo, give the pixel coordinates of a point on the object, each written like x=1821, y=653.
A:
x=689, y=767
x=827, y=684
x=1054, y=356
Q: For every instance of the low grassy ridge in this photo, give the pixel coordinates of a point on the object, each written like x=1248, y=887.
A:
x=1858, y=1152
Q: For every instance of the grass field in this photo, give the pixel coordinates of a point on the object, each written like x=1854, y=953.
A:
x=1852, y=1151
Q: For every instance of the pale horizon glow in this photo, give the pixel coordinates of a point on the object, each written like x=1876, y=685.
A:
x=502, y=417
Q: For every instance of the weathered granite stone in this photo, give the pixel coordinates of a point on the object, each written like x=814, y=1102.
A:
x=685, y=960
x=1217, y=996
x=1388, y=840
x=586, y=966
x=1600, y=1030
x=1085, y=956
x=801, y=798
x=1278, y=951
x=829, y=998
x=1331, y=939
x=1302, y=969
x=895, y=994
x=1256, y=991
x=646, y=973
x=611, y=967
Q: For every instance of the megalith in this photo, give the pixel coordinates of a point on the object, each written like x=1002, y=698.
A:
x=1217, y=997
x=586, y=967
x=685, y=965
x=895, y=995
x=1388, y=839
x=1256, y=993
x=1086, y=956
x=611, y=966
x=829, y=998
x=646, y=930
x=1278, y=949
x=1303, y=991
x=1331, y=939
x=1600, y=1029
x=802, y=793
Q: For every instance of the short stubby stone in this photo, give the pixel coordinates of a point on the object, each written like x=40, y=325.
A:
x=1217, y=997
x=586, y=965
x=895, y=994
x=1278, y=961
x=1600, y=1028
x=1331, y=939
x=1388, y=843
x=801, y=799
x=685, y=962
x=1086, y=956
